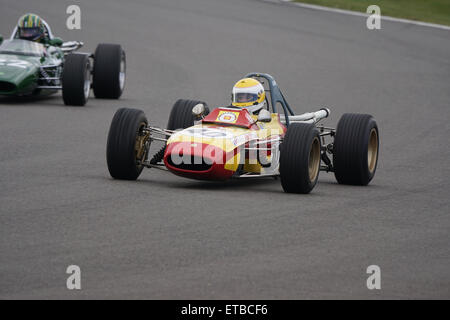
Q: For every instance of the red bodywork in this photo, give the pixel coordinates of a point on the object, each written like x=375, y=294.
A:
x=236, y=117
x=207, y=162
x=202, y=165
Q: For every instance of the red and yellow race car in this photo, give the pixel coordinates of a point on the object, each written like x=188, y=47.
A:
x=246, y=140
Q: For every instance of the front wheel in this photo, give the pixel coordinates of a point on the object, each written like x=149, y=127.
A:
x=76, y=79
x=355, y=149
x=127, y=146
x=300, y=158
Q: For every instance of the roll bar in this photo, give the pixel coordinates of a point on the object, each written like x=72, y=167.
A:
x=276, y=96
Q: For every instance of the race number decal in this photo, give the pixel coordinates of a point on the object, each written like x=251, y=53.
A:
x=14, y=63
x=207, y=133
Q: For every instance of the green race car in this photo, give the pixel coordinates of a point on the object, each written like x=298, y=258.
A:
x=30, y=68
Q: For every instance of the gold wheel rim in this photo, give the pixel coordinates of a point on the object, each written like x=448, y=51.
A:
x=314, y=159
x=372, y=150
x=139, y=146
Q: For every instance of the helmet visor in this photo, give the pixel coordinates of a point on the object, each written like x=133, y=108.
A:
x=244, y=97
x=30, y=33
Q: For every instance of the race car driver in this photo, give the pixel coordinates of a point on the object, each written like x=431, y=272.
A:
x=31, y=27
x=249, y=93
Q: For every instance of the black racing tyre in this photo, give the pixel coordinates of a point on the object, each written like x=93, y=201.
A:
x=76, y=79
x=181, y=116
x=300, y=158
x=109, y=71
x=123, y=145
x=355, y=149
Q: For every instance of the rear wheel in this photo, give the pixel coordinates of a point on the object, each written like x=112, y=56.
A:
x=181, y=116
x=76, y=80
x=355, y=149
x=109, y=71
x=300, y=158
x=126, y=145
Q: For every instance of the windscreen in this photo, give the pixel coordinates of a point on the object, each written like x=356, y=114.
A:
x=22, y=47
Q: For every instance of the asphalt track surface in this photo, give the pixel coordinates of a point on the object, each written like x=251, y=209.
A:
x=169, y=237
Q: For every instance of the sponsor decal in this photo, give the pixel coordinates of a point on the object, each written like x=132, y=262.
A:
x=249, y=117
x=227, y=116
x=243, y=138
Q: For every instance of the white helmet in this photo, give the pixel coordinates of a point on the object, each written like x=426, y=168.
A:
x=249, y=94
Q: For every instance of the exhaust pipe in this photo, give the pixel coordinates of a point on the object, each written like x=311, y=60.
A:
x=309, y=117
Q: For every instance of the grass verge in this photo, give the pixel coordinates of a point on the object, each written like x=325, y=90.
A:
x=434, y=11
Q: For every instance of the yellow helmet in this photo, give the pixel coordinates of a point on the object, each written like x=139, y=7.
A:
x=249, y=93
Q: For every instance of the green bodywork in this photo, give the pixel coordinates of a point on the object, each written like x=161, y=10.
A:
x=20, y=67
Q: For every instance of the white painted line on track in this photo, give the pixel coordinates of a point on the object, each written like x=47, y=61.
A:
x=361, y=14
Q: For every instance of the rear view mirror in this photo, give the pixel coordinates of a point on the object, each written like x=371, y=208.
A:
x=1, y=39
x=264, y=116
x=70, y=46
x=198, y=110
